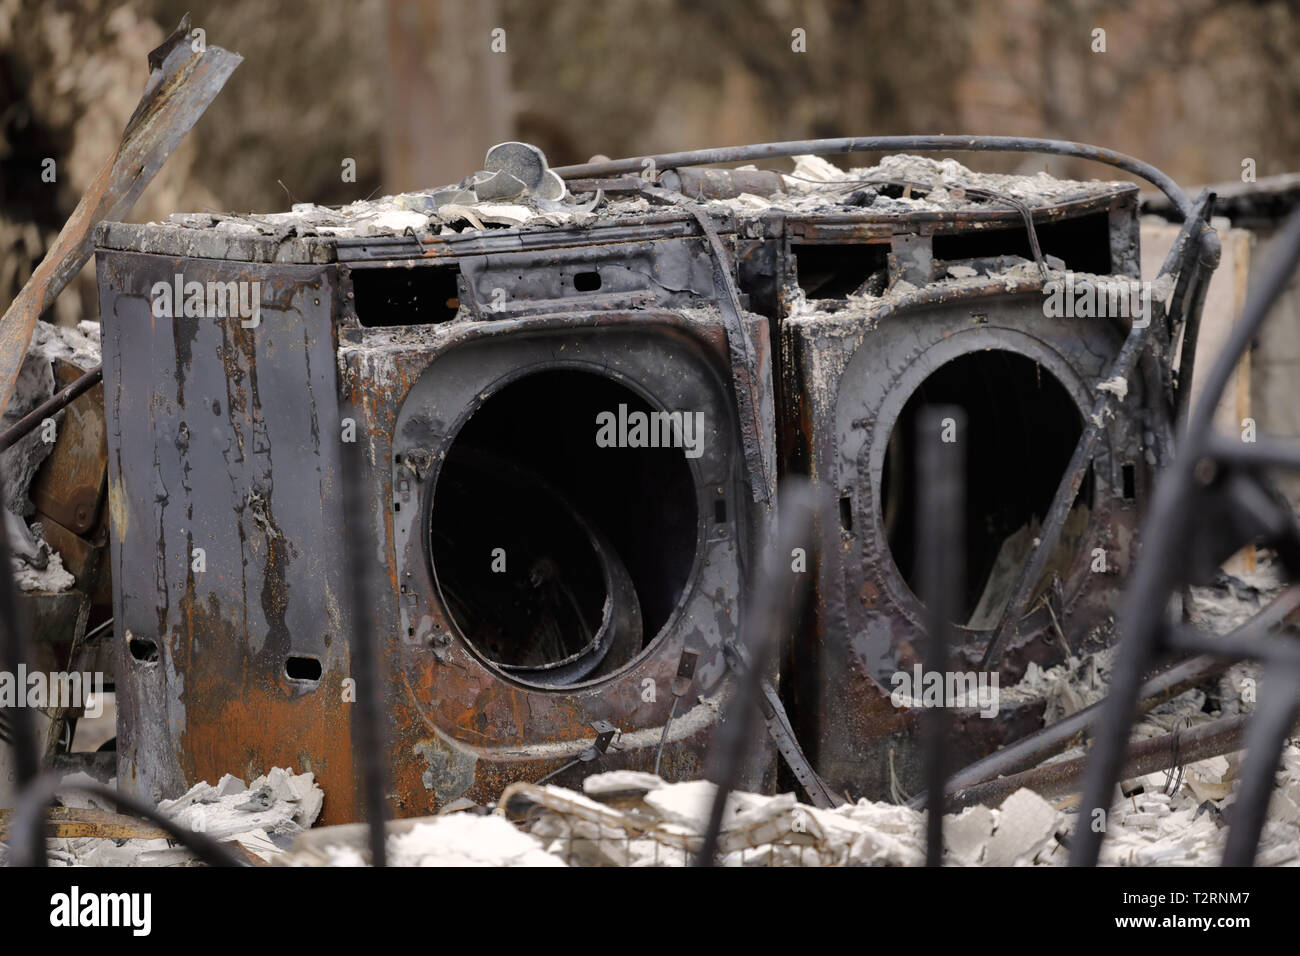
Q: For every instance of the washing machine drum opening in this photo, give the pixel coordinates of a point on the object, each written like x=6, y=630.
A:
x=559, y=560
x=1022, y=426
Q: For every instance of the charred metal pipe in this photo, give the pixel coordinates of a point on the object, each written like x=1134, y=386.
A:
x=942, y=476
x=1145, y=756
x=722, y=183
x=52, y=405
x=1168, y=532
x=881, y=144
x=744, y=360
x=1266, y=735
x=1208, y=261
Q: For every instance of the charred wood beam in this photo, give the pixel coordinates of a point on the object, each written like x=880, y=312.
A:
x=182, y=83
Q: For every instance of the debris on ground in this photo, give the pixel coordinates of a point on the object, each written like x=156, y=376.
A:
x=639, y=820
x=632, y=818
x=262, y=817
x=459, y=839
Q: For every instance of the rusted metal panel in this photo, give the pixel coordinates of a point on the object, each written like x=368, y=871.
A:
x=223, y=464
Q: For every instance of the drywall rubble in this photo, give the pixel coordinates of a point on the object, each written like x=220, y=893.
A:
x=648, y=822
x=637, y=819
x=663, y=825
x=262, y=817
x=458, y=839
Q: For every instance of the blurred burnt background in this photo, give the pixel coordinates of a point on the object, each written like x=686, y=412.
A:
x=414, y=93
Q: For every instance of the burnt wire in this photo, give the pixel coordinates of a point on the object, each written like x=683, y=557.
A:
x=884, y=144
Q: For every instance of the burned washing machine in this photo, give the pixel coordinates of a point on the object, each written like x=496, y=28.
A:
x=564, y=444
x=944, y=290
x=916, y=283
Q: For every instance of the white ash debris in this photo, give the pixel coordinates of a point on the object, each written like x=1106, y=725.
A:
x=78, y=344
x=262, y=817
x=1188, y=827
x=458, y=839
x=1017, y=277
x=654, y=823
x=51, y=579
x=1118, y=386
x=1024, y=827
x=648, y=822
x=516, y=189
x=1227, y=603
x=415, y=213
x=943, y=178
x=621, y=782
x=1067, y=687
x=1232, y=599
x=463, y=839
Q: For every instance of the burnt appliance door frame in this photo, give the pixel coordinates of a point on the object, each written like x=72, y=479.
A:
x=870, y=615
x=466, y=726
